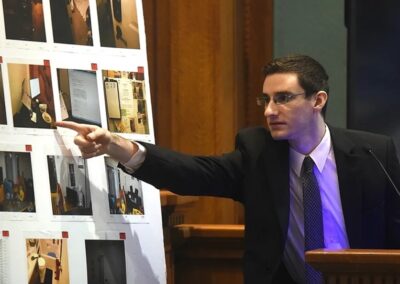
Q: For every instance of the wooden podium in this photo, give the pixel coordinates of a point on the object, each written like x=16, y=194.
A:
x=361, y=266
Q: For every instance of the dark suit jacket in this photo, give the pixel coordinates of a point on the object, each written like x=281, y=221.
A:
x=256, y=174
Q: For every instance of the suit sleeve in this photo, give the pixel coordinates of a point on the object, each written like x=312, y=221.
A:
x=193, y=175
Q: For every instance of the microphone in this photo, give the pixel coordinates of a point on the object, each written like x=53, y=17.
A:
x=369, y=150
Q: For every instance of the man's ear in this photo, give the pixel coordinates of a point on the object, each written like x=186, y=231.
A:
x=321, y=98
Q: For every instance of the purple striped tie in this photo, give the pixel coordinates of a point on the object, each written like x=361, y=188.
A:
x=313, y=223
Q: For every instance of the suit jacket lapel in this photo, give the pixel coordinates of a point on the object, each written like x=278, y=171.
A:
x=348, y=170
x=277, y=165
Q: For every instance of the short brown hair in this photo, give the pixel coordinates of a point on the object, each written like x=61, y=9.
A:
x=310, y=73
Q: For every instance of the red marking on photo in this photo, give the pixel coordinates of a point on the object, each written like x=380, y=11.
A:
x=46, y=62
x=122, y=236
x=94, y=66
x=65, y=235
x=28, y=148
x=6, y=234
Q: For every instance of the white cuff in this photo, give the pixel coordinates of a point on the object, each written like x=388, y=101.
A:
x=137, y=159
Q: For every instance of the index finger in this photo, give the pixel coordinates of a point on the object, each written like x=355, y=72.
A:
x=80, y=128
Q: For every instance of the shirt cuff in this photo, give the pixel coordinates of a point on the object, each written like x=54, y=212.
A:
x=136, y=160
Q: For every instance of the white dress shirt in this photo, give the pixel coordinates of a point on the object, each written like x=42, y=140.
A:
x=335, y=235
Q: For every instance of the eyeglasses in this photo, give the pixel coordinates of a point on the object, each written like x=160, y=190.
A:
x=278, y=99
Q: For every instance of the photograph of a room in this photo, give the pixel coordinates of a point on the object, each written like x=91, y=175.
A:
x=47, y=261
x=105, y=260
x=79, y=96
x=16, y=182
x=118, y=23
x=24, y=20
x=3, y=117
x=125, y=101
x=31, y=95
x=71, y=22
x=125, y=194
x=69, y=185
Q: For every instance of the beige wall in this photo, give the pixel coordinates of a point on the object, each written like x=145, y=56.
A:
x=16, y=74
x=128, y=25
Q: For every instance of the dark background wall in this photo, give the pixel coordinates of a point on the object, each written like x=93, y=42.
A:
x=316, y=28
x=374, y=66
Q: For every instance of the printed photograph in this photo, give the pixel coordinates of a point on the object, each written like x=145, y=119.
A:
x=69, y=185
x=16, y=182
x=118, y=23
x=71, y=22
x=24, y=20
x=105, y=261
x=31, y=93
x=125, y=194
x=3, y=117
x=125, y=101
x=79, y=96
x=47, y=261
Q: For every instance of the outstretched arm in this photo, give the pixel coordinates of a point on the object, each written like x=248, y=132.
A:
x=94, y=141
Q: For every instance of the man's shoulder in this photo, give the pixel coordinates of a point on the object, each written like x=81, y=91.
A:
x=345, y=138
x=257, y=138
x=358, y=134
x=253, y=131
x=257, y=134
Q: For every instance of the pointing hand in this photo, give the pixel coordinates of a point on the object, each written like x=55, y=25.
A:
x=91, y=140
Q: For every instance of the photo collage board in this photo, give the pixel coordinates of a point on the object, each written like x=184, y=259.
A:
x=63, y=218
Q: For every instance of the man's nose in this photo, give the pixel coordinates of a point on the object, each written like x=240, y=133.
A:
x=270, y=109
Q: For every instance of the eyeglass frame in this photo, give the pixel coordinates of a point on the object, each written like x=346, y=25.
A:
x=264, y=100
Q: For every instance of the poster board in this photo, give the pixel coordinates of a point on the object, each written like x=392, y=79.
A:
x=62, y=218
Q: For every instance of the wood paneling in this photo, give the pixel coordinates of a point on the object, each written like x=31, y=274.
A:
x=209, y=254
x=205, y=62
x=258, y=50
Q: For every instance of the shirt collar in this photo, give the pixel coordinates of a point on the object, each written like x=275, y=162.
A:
x=319, y=154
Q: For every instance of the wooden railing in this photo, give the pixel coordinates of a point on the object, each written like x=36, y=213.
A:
x=357, y=265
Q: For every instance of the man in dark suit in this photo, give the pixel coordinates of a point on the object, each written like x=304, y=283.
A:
x=353, y=204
